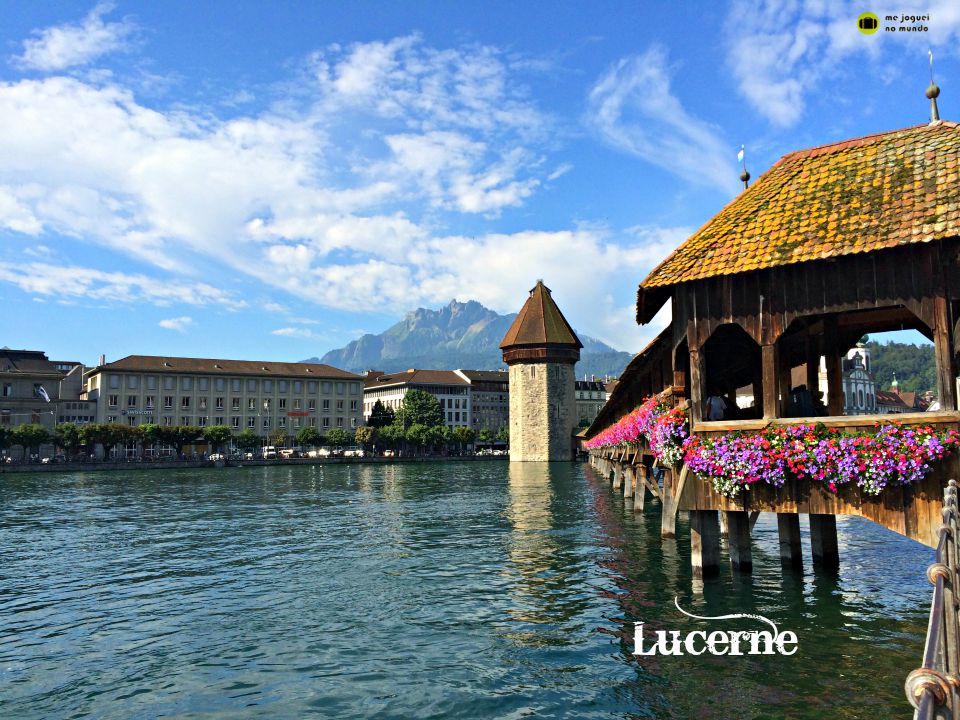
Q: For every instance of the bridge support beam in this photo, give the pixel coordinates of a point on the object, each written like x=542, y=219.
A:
x=628, y=480
x=617, y=475
x=640, y=488
x=791, y=551
x=704, y=543
x=823, y=541
x=724, y=531
x=738, y=542
x=668, y=505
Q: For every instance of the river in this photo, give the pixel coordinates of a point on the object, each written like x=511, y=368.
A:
x=434, y=590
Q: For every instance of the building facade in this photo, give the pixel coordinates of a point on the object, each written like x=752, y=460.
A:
x=451, y=390
x=591, y=395
x=241, y=394
x=541, y=349
x=489, y=398
x=35, y=389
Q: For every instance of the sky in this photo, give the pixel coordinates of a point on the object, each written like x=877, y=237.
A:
x=269, y=180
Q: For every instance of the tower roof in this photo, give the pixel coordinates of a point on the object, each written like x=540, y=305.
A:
x=540, y=323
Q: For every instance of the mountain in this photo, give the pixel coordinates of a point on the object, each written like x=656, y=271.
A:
x=460, y=335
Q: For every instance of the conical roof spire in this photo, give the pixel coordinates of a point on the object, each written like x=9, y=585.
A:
x=540, y=326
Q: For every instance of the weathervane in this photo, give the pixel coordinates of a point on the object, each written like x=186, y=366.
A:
x=932, y=92
x=744, y=175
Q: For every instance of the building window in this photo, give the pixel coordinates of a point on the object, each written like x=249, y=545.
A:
x=281, y=422
x=326, y=387
x=313, y=422
x=266, y=404
x=133, y=382
x=114, y=382
x=296, y=422
x=354, y=404
x=251, y=422
x=281, y=386
x=168, y=383
x=186, y=383
x=282, y=404
x=251, y=403
x=297, y=404
x=268, y=386
x=266, y=423
x=251, y=385
x=311, y=404
x=202, y=421
x=168, y=402
x=219, y=403
x=151, y=399
x=131, y=401
x=235, y=404
x=235, y=423
x=167, y=420
x=354, y=388
x=235, y=385
x=298, y=386
x=203, y=384
x=311, y=386
x=220, y=384
x=186, y=420
x=185, y=402
x=8, y=389
x=151, y=382
x=326, y=422
x=353, y=422
x=326, y=404
x=339, y=422
x=203, y=403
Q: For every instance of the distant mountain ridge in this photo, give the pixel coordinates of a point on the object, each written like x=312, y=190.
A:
x=459, y=335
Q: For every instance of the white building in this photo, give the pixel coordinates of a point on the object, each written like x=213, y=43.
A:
x=451, y=390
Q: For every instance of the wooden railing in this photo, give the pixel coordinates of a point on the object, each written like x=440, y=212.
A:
x=934, y=688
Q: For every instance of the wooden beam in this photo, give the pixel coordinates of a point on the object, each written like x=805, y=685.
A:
x=768, y=358
x=704, y=543
x=668, y=506
x=640, y=491
x=943, y=351
x=697, y=395
x=738, y=541
x=834, y=367
x=823, y=542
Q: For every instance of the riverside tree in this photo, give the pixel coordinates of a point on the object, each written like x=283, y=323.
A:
x=68, y=437
x=419, y=408
x=366, y=436
x=308, y=436
x=30, y=436
x=180, y=435
x=247, y=440
x=380, y=416
x=339, y=437
x=217, y=436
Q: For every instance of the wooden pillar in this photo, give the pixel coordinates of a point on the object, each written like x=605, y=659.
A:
x=704, y=543
x=813, y=368
x=769, y=356
x=640, y=488
x=617, y=475
x=668, y=517
x=791, y=551
x=723, y=524
x=834, y=367
x=738, y=540
x=943, y=352
x=823, y=541
x=784, y=377
x=628, y=480
x=696, y=385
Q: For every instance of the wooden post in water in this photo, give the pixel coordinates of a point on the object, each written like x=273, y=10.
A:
x=628, y=476
x=617, y=475
x=704, y=543
x=823, y=541
x=640, y=491
x=723, y=525
x=668, y=503
x=738, y=542
x=791, y=551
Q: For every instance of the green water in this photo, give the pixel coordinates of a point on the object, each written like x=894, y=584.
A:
x=461, y=590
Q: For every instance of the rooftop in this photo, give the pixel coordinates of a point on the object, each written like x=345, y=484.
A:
x=540, y=322
x=160, y=364
x=856, y=196
x=414, y=377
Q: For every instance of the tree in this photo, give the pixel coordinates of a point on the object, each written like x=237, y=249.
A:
x=217, y=436
x=109, y=435
x=180, y=435
x=419, y=408
x=30, y=436
x=439, y=436
x=503, y=434
x=485, y=436
x=152, y=434
x=339, y=437
x=4, y=437
x=366, y=436
x=278, y=437
x=308, y=436
x=68, y=437
x=464, y=435
x=418, y=435
x=391, y=435
x=380, y=416
x=247, y=440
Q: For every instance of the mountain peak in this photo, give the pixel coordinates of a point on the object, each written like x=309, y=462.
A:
x=458, y=335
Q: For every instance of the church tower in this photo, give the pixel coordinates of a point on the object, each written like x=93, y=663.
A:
x=541, y=349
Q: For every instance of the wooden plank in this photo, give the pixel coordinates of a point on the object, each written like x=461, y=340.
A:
x=943, y=352
x=769, y=360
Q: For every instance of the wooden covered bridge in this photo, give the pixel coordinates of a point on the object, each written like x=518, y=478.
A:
x=830, y=244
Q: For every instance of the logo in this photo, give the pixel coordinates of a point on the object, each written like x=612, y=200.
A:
x=718, y=642
x=868, y=23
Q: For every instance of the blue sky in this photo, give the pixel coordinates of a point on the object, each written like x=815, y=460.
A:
x=269, y=180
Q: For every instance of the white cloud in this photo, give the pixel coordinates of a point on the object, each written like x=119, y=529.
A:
x=293, y=332
x=80, y=282
x=633, y=109
x=778, y=51
x=65, y=46
x=180, y=324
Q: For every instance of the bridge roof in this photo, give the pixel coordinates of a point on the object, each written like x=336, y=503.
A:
x=540, y=322
x=856, y=196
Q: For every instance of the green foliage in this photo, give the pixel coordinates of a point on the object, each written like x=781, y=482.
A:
x=914, y=365
x=366, y=436
x=503, y=434
x=30, y=436
x=391, y=435
x=308, y=436
x=217, y=436
x=248, y=439
x=152, y=433
x=463, y=435
x=109, y=435
x=180, y=435
x=68, y=436
x=278, y=437
x=419, y=435
x=419, y=408
x=380, y=416
x=485, y=436
x=339, y=437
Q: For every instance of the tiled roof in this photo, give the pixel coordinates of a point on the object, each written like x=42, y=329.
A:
x=855, y=196
x=486, y=375
x=885, y=397
x=415, y=377
x=540, y=322
x=159, y=364
x=32, y=362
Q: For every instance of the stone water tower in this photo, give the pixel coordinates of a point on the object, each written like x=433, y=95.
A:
x=541, y=349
